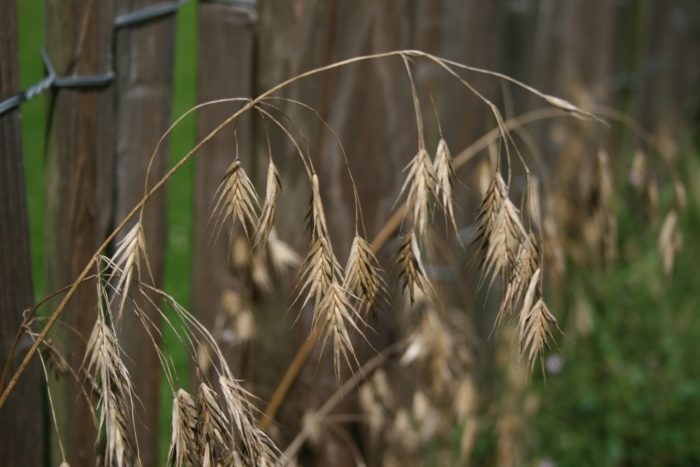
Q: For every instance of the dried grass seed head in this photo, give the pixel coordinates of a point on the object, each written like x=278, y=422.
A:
x=236, y=200
x=333, y=319
x=535, y=325
x=411, y=269
x=445, y=174
x=363, y=277
x=317, y=215
x=184, y=450
x=319, y=270
x=499, y=230
x=126, y=263
x=527, y=261
x=256, y=447
x=104, y=367
x=267, y=216
x=214, y=438
x=420, y=187
x=537, y=333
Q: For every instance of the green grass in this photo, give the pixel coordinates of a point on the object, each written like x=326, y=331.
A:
x=180, y=204
x=31, y=39
x=629, y=392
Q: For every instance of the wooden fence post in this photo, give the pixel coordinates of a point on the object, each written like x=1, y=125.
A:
x=226, y=47
x=366, y=104
x=80, y=150
x=143, y=87
x=22, y=441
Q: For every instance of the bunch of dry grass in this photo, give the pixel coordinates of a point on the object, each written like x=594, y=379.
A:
x=218, y=426
x=499, y=230
x=322, y=281
x=105, y=370
x=508, y=251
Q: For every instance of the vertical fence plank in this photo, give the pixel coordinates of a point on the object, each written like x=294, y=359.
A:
x=79, y=190
x=369, y=105
x=21, y=419
x=226, y=48
x=143, y=86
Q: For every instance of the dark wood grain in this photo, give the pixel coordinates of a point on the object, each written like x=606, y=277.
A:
x=79, y=171
x=22, y=440
x=369, y=105
x=226, y=46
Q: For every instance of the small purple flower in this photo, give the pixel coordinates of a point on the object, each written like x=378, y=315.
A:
x=546, y=462
x=554, y=364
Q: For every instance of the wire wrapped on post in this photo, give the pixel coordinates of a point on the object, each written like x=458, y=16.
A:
x=74, y=81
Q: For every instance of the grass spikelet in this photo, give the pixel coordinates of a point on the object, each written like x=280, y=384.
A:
x=534, y=209
x=411, y=269
x=420, y=185
x=535, y=322
x=363, y=277
x=183, y=445
x=321, y=280
x=105, y=368
x=537, y=332
x=319, y=270
x=214, y=440
x=333, y=316
x=499, y=230
x=258, y=448
x=317, y=216
x=526, y=263
x=127, y=258
x=236, y=199
x=267, y=215
x=444, y=173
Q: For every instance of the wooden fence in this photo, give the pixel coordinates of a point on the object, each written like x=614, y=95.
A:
x=639, y=56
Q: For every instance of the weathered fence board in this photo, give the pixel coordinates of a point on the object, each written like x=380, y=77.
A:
x=226, y=46
x=79, y=185
x=143, y=87
x=366, y=104
x=21, y=419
